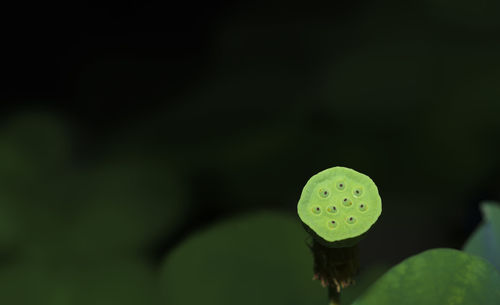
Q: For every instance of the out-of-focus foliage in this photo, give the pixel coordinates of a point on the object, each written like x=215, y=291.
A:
x=256, y=259
x=485, y=240
x=366, y=277
x=116, y=281
x=117, y=204
x=271, y=94
x=34, y=148
x=124, y=205
x=437, y=276
x=73, y=231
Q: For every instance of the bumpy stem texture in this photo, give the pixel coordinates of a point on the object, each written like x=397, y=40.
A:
x=334, y=267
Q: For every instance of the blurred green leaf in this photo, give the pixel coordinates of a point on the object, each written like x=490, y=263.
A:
x=118, y=202
x=124, y=205
x=365, y=278
x=437, y=276
x=255, y=259
x=35, y=149
x=121, y=282
x=485, y=240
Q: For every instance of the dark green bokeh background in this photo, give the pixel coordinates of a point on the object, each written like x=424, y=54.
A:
x=126, y=127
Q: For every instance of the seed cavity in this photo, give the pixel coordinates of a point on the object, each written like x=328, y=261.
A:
x=340, y=185
x=316, y=210
x=351, y=220
x=357, y=192
x=362, y=207
x=347, y=202
x=332, y=224
x=323, y=193
x=332, y=209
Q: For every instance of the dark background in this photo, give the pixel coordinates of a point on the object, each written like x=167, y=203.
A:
x=234, y=105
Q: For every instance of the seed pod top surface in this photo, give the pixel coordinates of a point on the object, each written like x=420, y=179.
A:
x=339, y=203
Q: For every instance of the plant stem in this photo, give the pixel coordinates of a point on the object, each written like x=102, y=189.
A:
x=334, y=267
x=333, y=296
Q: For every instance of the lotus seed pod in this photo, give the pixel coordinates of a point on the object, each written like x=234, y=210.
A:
x=339, y=204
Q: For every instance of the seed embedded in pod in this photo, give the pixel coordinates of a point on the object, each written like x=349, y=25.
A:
x=316, y=210
x=340, y=185
x=332, y=224
x=340, y=182
x=351, y=220
x=323, y=193
x=362, y=207
x=357, y=192
x=347, y=202
x=332, y=209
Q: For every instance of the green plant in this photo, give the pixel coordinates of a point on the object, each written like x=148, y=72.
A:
x=326, y=209
x=338, y=204
x=252, y=259
x=261, y=258
x=437, y=276
x=485, y=241
x=76, y=232
x=337, y=207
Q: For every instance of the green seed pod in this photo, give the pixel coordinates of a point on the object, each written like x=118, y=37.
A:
x=337, y=206
x=354, y=196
